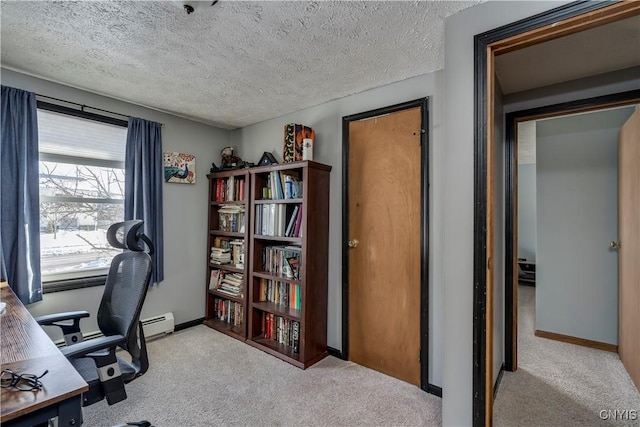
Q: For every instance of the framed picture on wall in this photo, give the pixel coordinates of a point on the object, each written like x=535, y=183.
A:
x=179, y=167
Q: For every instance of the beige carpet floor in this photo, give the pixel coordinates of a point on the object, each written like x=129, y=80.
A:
x=560, y=384
x=199, y=377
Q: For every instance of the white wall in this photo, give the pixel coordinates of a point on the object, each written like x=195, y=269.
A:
x=458, y=195
x=185, y=212
x=527, y=211
x=576, y=273
x=326, y=120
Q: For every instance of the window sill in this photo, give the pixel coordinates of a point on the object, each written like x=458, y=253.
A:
x=71, y=284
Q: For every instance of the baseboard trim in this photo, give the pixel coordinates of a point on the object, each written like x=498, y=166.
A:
x=188, y=324
x=335, y=353
x=434, y=389
x=498, y=381
x=577, y=341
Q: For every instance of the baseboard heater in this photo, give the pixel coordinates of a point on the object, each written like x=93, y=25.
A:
x=163, y=324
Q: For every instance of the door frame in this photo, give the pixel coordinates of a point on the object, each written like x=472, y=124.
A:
x=554, y=23
x=619, y=99
x=423, y=103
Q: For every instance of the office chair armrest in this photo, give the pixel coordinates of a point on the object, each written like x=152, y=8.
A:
x=84, y=348
x=71, y=331
x=50, y=319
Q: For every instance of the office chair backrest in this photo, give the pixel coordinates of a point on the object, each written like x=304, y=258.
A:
x=126, y=289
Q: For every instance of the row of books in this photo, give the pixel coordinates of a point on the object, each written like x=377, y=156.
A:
x=231, y=218
x=228, y=311
x=281, y=293
x=278, y=220
x=229, y=189
x=227, y=283
x=283, y=261
x=281, y=330
x=233, y=253
x=282, y=185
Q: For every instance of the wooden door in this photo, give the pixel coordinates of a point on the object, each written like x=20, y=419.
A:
x=384, y=268
x=629, y=252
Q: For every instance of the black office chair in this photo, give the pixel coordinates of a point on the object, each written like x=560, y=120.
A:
x=118, y=319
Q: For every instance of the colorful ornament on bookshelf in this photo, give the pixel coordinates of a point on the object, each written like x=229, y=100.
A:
x=296, y=138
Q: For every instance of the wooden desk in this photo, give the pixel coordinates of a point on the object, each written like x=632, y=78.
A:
x=25, y=347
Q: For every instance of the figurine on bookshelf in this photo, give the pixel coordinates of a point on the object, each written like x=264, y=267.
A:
x=231, y=161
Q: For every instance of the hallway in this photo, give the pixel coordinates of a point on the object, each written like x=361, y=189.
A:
x=560, y=384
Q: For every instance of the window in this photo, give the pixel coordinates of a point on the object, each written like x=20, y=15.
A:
x=81, y=190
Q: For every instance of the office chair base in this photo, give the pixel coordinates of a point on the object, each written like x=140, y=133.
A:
x=138, y=423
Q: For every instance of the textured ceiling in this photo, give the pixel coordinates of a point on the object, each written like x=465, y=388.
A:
x=610, y=47
x=229, y=65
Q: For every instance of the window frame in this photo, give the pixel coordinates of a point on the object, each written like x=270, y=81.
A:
x=87, y=281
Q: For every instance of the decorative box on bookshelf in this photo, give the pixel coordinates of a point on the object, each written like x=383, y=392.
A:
x=289, y=227
x=227, y=250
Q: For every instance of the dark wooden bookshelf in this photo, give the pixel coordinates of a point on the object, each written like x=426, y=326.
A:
x=235, y=331
x=313, y=270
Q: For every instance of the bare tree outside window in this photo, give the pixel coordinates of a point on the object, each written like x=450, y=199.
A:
x=78, y=202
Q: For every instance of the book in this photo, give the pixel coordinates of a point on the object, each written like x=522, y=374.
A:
x=280, y=220
x=296, y=337
x=292, y=184
x=296, y=232
x=213, y=280
x=292, y=221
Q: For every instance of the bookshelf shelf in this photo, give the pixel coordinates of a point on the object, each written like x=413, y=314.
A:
x=281, y=201
x=226, y=267
x=221, y=295
x=288, y=232
x=233, y=202
x=233, y=331
x=228, y=244
x=227, y=233
x=269, y=276
x=293, y=240
x=276, y=309
x=278, y=350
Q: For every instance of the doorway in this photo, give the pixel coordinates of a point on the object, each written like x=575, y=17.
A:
x=553, y=24
x=512, y=216
x=385, y=232
x=575, y=298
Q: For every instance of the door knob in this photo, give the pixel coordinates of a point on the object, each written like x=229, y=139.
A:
x=614, y=245
x=353, y=243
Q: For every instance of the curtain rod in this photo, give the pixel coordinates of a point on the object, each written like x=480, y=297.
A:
x=83, y=106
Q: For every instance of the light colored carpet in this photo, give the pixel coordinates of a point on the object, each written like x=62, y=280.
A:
x=200, y=377
x=560, y=384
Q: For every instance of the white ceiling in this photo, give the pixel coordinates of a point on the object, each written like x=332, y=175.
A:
x=610, y=47
x=229, y=65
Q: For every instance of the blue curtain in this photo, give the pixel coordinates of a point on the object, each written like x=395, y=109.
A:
x=143, y=184
x=19, y=199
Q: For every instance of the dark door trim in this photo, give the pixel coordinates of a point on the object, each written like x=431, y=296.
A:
x=482, y=402
x=511, y=162
x=423, y=103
